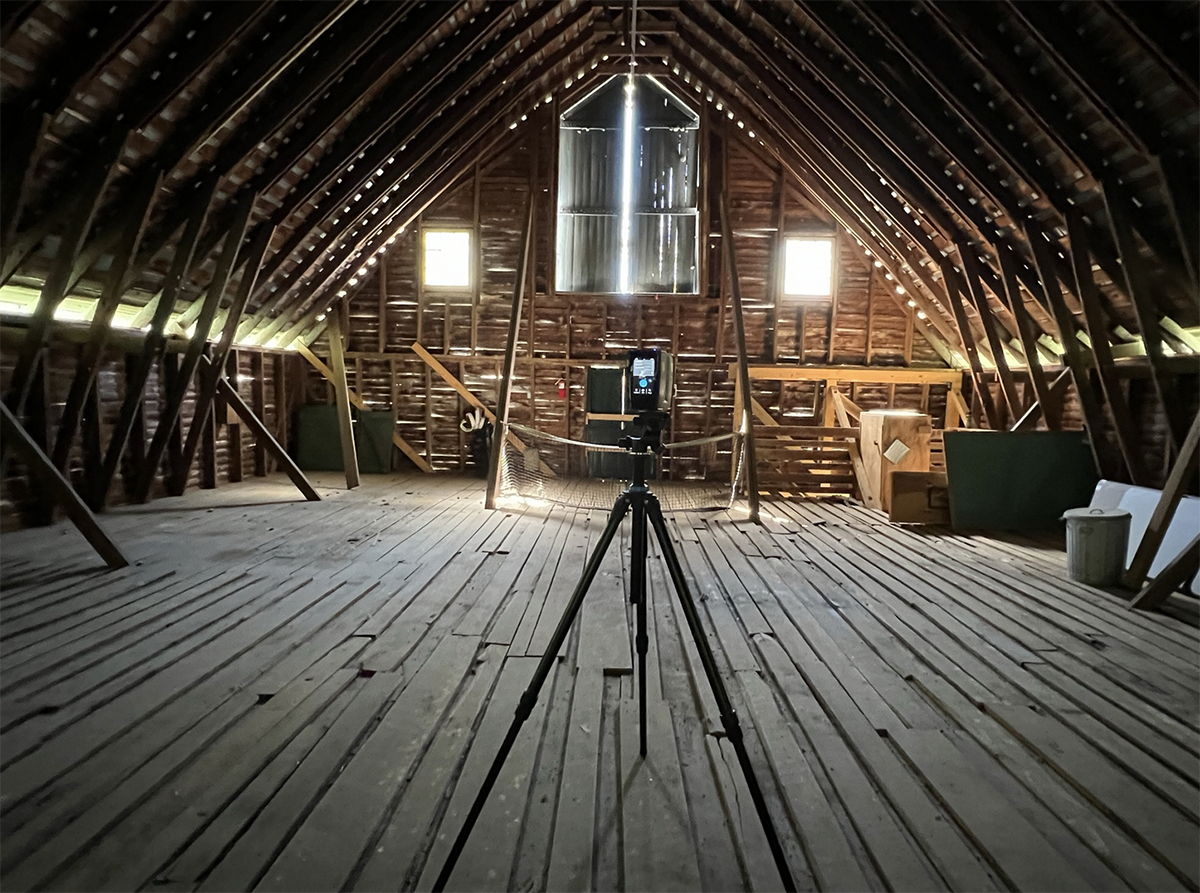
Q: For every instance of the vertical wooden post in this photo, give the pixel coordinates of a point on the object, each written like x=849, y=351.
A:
x=828, y=416
x=175, y=461
x=208, y=448
x=233, y=430
x=739, y=331
x=775, y=265
x=337, y=361
x=736, y=443
x=135, y=452
x=258, y=400
x=89, y=434
x=510, y=360
x=282, y=410
x=395, y=410
x=383, y=303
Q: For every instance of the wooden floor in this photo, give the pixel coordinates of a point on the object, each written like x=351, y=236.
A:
x=291, y=696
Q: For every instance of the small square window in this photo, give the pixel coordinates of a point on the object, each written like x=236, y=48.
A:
x=447, y=258
x=808, y=268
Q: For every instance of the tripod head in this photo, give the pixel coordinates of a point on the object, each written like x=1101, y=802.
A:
x=650, y=441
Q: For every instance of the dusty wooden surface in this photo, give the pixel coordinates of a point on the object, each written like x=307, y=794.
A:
x=304, y=696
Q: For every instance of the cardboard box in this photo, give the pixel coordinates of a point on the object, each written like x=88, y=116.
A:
x=919, y=497
x=892, y=440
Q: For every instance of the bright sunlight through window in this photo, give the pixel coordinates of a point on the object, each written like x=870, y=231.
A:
x=448, y=258
x=808, y=268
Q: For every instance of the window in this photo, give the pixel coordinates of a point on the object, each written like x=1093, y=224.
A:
x=627, y=193
x=808, y=268
x=447, y=258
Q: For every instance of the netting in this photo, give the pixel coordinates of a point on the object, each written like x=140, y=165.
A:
x=694, y=475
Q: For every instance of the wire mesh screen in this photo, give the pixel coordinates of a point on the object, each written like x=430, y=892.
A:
x=538, y=467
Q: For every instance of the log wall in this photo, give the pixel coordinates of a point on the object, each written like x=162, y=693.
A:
x=865, y=322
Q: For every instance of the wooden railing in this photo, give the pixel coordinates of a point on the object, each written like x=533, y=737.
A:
x=804, y=460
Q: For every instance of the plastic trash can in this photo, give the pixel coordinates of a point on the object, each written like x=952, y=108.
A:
x=1097, y=540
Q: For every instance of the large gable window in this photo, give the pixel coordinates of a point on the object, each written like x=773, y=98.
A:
x=627, y=192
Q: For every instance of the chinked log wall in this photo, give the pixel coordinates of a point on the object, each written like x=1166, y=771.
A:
x=271, y=382
x=562, y=334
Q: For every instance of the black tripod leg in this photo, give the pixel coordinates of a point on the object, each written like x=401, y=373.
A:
x=638, y=586
x=729, y=720
x=530, y=696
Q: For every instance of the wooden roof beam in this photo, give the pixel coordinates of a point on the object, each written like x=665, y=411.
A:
x=841, y=208
x=1110, y=385
x=406, y=130
x=816, y=149
x=921, y=109
x=229, y=96
x=351, y=144
x=153, y=85
x=1174, y=49
x=13, y=16
x=917, y=173
x=437, y=176
x=93, y=34
x=396, y=115
x=1073, y=356
x=305, y=318
x=393, y=105
x=1030, y=94
x=938, y=67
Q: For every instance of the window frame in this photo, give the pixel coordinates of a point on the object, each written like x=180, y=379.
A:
x=699, y=213
x=472, y=257
x=802, y=236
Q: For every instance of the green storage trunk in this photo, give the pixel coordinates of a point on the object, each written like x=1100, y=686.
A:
x=319, y=443
x=1021, y=481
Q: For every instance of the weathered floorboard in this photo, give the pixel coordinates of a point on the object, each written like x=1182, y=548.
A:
x=306, y=696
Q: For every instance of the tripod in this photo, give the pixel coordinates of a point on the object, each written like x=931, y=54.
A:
x=644, y=505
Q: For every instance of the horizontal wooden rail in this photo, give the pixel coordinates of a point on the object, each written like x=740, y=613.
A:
x=875, y=374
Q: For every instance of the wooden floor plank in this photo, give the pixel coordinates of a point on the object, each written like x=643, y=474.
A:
x=575, y=828
x=391, y=860
x=1019, y=853
x=487, y=859
x=307, y=700
x=660, y=853
x=324, y=851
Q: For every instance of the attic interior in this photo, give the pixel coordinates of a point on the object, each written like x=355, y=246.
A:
x=316, y=324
